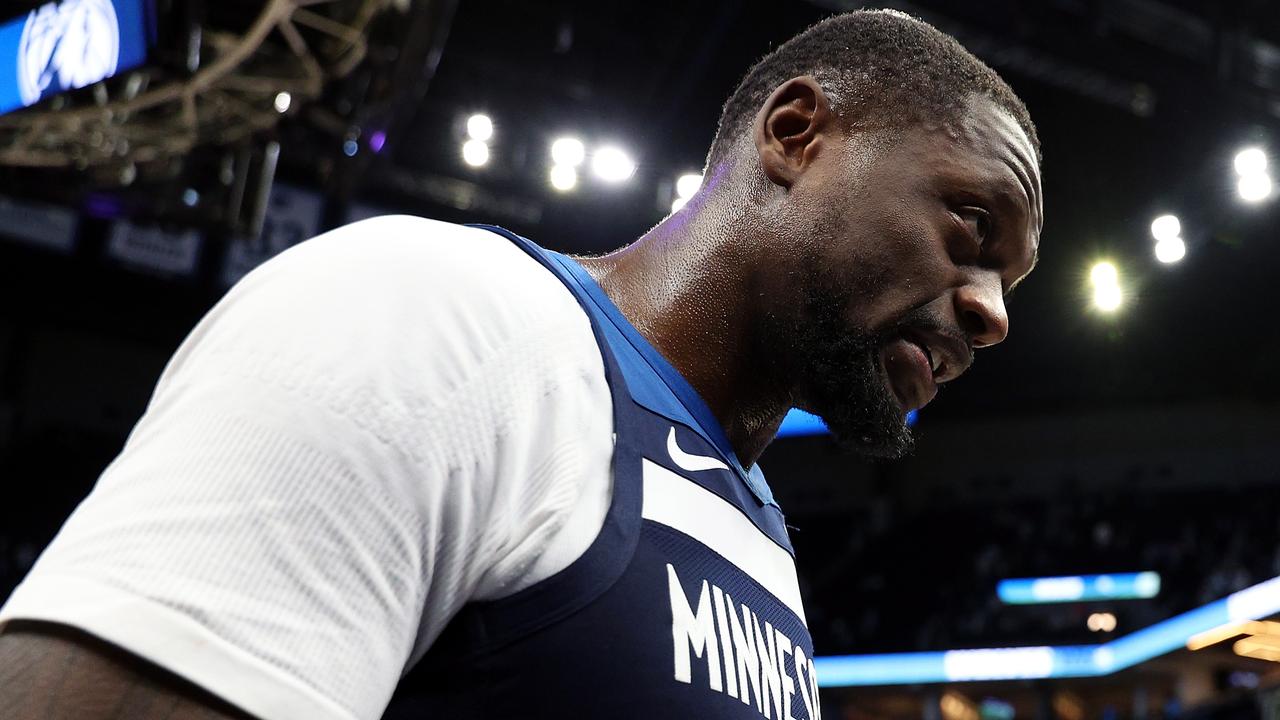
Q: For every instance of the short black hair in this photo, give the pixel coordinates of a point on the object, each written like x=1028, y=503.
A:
x=892, y=66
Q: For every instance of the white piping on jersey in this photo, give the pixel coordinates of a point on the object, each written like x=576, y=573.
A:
x=683, y=505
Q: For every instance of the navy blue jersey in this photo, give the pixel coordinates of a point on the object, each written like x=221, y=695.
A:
x=686, y=605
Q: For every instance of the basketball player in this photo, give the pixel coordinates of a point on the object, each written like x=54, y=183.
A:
x=406, y=442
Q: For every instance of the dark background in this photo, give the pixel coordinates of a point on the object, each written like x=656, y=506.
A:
x=1087, y=442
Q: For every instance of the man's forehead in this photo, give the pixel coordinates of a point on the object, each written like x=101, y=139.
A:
x=986, y=139
x=998, y=132
x=989, y=146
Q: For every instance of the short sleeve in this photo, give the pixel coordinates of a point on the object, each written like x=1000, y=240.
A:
x=350, y=446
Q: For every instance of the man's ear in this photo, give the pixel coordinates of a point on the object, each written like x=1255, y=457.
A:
x=790, y=128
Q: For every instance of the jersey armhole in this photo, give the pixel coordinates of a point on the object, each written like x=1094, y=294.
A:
x=482, y=627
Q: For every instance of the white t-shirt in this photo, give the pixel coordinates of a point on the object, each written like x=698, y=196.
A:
x=370, y=430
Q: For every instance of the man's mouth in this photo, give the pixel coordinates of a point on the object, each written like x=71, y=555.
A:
x=909, y=368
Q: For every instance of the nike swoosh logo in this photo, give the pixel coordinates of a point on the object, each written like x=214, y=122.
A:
x=689, y=461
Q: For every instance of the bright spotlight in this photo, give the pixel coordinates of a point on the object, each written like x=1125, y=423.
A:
x=283, y=101
x=1170, y=250
x=475, y=153
x=1251, y=161
x=1107, y=298
x=1101, y=622
x=1165, y=227
x=1103, y=274
x=687, y=185
x=678, y=203
x=613, y=165
x=1254, y=188
x=568, y=151
x=563, y=177
x=479, y=127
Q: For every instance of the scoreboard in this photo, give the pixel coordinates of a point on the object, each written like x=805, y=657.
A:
x=71, y=44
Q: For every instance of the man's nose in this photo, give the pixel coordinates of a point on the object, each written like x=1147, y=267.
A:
x=980, y=308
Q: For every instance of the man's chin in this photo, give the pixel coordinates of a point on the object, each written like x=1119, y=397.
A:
x=877, y=448
x=846, y=384
x=884, y=437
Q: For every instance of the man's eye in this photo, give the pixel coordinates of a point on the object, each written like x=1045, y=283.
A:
x=978, y=222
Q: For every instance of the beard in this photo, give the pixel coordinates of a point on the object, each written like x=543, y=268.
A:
x=836, y=369
x=844, y=383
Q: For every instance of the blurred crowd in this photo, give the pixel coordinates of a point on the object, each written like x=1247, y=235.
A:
x=890, y=581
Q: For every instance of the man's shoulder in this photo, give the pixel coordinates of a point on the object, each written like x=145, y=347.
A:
x=393, y=312
x=409, y=264
x=394, y=244
x=415, y=287
x=410, y=234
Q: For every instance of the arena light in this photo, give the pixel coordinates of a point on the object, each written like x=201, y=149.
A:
x=996, y=663
x=1107, y=295
x=568, y=151
x=1108, y=298
x=563, y=177
x=1167, y=231
x=1254, y=184
x=1250, y=161
x=1171, y=250
x=1079, y=588
x=954, y=706
x=798, y=423
x=1166, y=227
x=1213, y=636
x=1103, y=273
x=612, y=164
x=1023, y=591
x=1260, y=647
x=1254, y=188
x=283, y=101
x=475, y=153
x=1252, y=603
x=480, y=127
x=1257, y=652
x=1271, y=642
x=687, y=185
x=995, y=709
x=1101, y=622
x=1068, y=706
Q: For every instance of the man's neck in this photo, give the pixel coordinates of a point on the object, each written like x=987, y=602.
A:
x=685, y=285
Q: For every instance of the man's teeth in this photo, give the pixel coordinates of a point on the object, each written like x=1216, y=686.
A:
x=935, y=361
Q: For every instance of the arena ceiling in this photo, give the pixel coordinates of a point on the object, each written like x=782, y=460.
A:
x=1140, y=105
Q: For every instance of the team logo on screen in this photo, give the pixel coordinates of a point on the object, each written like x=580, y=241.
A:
x=67, y=45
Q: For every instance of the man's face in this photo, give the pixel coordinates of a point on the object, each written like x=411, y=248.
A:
x=902, y=247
